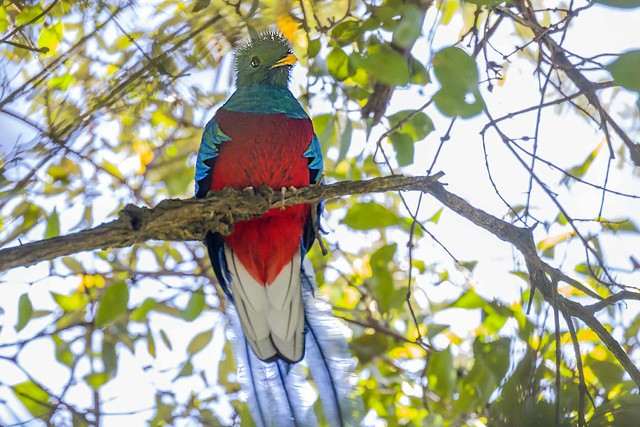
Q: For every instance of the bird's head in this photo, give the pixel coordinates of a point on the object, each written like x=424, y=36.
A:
x=265, y=58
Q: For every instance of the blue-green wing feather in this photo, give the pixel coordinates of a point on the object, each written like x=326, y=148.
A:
x=316, y=164
x=212, y=137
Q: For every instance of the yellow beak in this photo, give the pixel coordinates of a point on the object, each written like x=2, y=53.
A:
x=290, y=59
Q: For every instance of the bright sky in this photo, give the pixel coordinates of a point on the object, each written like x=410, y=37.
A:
x=567, y=141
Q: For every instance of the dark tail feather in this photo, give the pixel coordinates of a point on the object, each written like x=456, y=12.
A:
x=277, y=392
x=328, y=358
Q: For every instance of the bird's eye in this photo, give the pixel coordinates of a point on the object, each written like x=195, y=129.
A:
x=255, y=62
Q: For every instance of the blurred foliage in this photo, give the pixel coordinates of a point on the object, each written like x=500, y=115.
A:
x=109, y=100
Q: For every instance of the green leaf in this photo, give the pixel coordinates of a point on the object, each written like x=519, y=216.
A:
x=62, y=351
x=580, y=170
x=27, y=14
x=112, y=169
x=625, y=70
x=53, y=225
x=33, y=397
x=75, y=301
x=469, y=265
x=386, y=65
x=409, y=26
x=457, y=73
x=4, y=22
x=485, y=2
x=469, y=300
x=112, y=304
x=324, y=125
x=417, y=127
x=455, y=69
x=436, y=216
x=441, y=374
x=368, y=346
x=345, y=141
x=403, y=146
x=73, y=265
x=453, y=103
x=619, y=224
x=434, y=329
x=165, y=339
x=338, y=64
x=109, y=357
x=418, y=72
x=346, y=32
x=162, y=307
x=199, y=342
x=313, y=48
x=97, y=379
x=623, y=4
x=495, y=317
x=151, y=344
x=366, y=216
x=187, y=370
x=381, y=280
x=490, y=366
x=25, y=310
x=140, y=313
x=62, y=83
x=608, y=372
x=200, y=5
x=194, y=306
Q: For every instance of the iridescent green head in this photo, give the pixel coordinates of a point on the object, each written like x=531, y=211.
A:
x=265, y=58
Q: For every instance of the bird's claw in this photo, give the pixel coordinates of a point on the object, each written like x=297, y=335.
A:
x=283, y=192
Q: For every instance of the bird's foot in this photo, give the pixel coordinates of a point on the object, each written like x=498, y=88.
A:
x=283, y=192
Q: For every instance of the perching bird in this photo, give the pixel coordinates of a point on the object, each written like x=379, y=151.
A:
x=262, y=136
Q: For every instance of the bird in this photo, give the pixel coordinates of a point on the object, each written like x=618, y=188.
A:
x=262, y=136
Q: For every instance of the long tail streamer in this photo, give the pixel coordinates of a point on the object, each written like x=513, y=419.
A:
x=278, y=393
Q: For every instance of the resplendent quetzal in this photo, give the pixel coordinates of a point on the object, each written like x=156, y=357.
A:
x=262, y=136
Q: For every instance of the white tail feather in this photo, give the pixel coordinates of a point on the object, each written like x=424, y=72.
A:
x=271, y=315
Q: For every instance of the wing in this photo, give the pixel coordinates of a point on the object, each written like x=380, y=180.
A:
x=316, y=165
x=212, y=138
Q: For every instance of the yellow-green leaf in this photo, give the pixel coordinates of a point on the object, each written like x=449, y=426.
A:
x=112, y=304
x=194, y=306
x=365, y=216
x=387, y=65
x=338, y=64
x=75, y=301
x=199, y=342
x=33, y=397
x=25, y=311
x=552, y=241
x=112, y=169
x=140, y=313
x=53, y=225
x=97, y=380
x=50, y=37
x=28, y=14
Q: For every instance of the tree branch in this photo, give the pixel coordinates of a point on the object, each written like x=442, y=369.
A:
x=181, y=220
